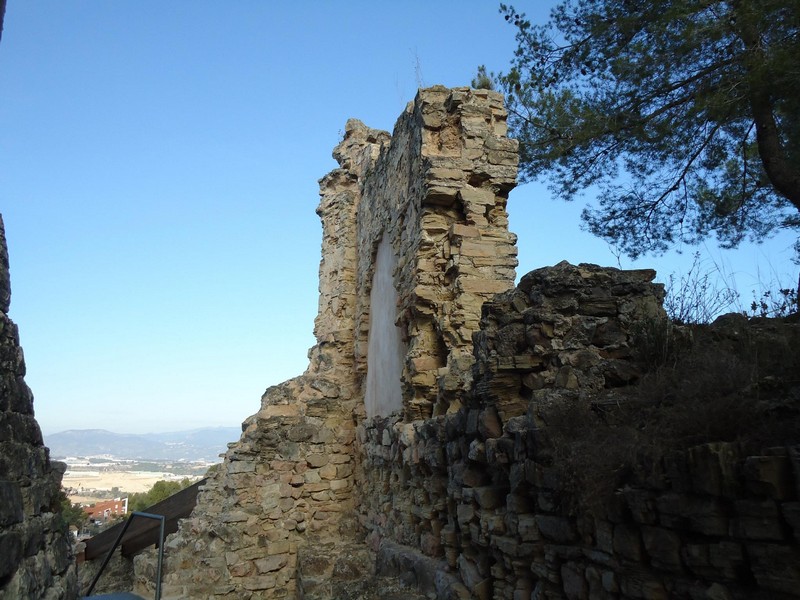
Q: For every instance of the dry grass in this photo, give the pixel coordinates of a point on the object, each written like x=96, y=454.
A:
x=735, y=382
x=126, y=481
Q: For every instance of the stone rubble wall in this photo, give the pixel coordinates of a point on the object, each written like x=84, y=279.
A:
x=565, y=328
x=457, y=494
x=35, y=548
x=436, y=190
x=475, y=490
x=289, y=477
x=116, y=577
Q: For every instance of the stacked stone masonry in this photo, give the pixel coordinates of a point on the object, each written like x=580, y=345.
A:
x=445, y=481
x=35, y=553
x=477, y=491
x=435, y=191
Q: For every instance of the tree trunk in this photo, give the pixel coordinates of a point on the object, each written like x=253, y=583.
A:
x=773, y=156
x=784, y=178
x=2, y=16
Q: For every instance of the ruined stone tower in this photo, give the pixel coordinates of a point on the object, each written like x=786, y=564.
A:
x=421, y=445
x=417, y=445
x=415, y=240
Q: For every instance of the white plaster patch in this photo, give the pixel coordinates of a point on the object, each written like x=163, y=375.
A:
x=385, y=350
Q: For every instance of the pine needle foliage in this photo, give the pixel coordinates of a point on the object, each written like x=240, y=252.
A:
x=685, y=115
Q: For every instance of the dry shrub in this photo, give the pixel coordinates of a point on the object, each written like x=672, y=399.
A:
x=700, y=294
x=590, y=454
x=722, y=383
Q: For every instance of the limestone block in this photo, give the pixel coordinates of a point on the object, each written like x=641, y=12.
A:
x=474, y=477
x=502, y=144
x=776, y=567
x=271, y=563
x=640, y=586
x=11, y=504
x=460, y=231
x=769, y=476
x=312, y=476
x=260, y=583
x=791, y=513
x=339, y=459
x=627, y=542
x=465, y=513
x=317, y=460
x=483, y=286
x=469, y=572
x=557, y=529
x=573, y=581
x=497, y=157
x=713, y=468
x=327, y=472
x=714, y=561
x=699, y=514
x=278, y=410
x=433, y=119
x=479, y=248
x=477, y=451
x=489, y=425
x=343, y=470
x=641, y=505
x=444, y=173
x=282, y=465
x=756, y=520
x=663, y=547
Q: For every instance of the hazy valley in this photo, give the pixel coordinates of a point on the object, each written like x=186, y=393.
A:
x=103, y=464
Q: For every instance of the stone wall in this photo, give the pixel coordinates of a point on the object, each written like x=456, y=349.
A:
x=35, y=551
x=460, y=492
x=435, y=193
x=477, y=492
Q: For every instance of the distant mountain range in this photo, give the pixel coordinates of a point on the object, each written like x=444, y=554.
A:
x=194, y=445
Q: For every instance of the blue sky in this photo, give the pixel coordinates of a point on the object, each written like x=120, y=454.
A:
x=158, y=180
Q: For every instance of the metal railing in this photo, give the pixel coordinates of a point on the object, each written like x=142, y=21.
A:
x=119, y=539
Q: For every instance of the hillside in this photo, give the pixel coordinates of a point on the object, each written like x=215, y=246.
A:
x=193, y=445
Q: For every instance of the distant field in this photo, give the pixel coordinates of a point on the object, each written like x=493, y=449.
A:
x=127, y=481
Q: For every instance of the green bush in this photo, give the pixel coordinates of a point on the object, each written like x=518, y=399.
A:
x=71, y=514
x=161, y=490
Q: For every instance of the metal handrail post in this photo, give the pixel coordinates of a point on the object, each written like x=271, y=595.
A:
x=145, y=515
x=160, y=558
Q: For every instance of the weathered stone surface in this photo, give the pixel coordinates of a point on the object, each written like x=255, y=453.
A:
x=775, y=567
x=663, y=547
x=701, y=514
x=769, y=476
x=722, y=560
x=757, y=520
x=685, y=533
x=791, y=513
x=544, y=333
x=712, y=468
x=5, y=277
x=433, y=195
x=458, y=493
